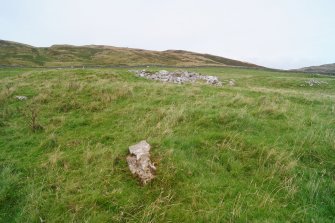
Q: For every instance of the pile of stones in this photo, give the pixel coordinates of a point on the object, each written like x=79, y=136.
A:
x=178, y=77
x=314, y=82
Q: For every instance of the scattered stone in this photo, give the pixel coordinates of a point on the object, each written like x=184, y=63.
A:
x=21, y=98
x=232, y=82
x=139, y=162
x=178, y=77
x=313, y=82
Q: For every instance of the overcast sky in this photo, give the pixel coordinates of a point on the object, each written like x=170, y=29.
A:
x=273, y=33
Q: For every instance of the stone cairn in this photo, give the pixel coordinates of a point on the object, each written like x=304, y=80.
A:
x=178, y=77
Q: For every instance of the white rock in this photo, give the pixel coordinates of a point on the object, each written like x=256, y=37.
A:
x=139, y=162
x=21, y=98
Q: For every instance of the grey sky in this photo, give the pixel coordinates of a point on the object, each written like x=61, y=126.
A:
x=274, y=33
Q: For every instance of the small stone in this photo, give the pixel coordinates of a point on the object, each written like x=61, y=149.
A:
x=21, y=98
x=231, y=82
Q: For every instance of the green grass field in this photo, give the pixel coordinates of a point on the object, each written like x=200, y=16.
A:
x=261, y=151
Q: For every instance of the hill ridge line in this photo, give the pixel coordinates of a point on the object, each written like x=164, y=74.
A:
x=63, y=55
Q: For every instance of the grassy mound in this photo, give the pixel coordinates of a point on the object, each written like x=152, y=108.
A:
x=261, y=151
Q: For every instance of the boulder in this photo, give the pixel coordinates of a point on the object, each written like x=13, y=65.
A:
x=139, y=162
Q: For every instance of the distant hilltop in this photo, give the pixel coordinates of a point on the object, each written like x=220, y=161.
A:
x=323, y=69
x=18, y=54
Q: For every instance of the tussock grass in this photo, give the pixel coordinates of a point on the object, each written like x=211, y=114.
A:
x=262, y=151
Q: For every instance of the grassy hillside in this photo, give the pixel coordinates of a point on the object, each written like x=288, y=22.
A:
x=326, y=68
x=261, y=151
x=16, y=54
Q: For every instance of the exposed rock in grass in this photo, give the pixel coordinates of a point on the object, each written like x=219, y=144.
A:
x=21, y=98
x=232, y=82
x=139, y=162
x=178, y=77
x=314, y=82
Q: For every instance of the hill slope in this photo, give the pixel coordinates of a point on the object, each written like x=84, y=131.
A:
x=326, y=68
x=17, y=54
x=260, y=151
